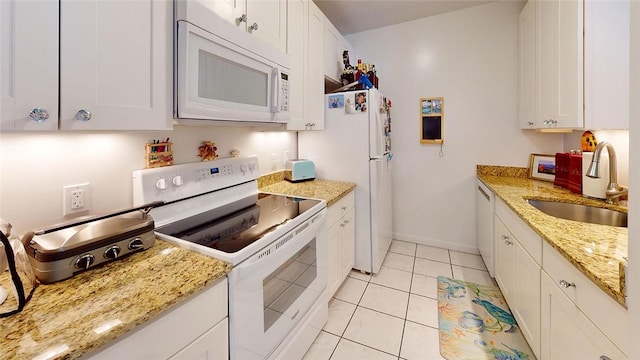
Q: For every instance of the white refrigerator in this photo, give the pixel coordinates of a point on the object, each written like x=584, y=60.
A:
x=355, y=146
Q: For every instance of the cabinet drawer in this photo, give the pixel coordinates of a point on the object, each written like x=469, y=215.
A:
x=340, y=208
x=527, y=238
x=609, y=316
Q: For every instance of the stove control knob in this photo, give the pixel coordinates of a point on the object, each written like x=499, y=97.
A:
x=136, y=244
x=177, y=180
x=161, y=184
x=244, y=168
x=84, y=261
x=252, y=166
x=112, y=252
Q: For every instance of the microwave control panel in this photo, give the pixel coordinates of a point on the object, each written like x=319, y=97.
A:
x=283, y=82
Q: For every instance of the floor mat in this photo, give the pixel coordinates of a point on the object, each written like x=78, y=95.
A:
x=475, y=323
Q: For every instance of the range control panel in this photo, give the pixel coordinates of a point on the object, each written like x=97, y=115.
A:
x=177, y=182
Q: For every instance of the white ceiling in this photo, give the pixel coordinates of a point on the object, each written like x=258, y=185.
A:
x=352, y=16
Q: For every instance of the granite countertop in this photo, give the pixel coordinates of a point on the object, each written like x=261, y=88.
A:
x=328, y=190
x=595, y=250
x=61, y=319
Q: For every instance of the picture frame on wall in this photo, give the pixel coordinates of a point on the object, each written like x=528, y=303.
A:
x=432, y=120
x=542, y=167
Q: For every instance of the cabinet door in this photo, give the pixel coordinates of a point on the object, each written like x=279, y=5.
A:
x=230, y=10
x=332, y=52
x=347, y=243
x=566, y=333
x=560, y=63
x=270, y=17
x=505, y=261
x=527, y=65
x=212, y=345
x=28, y=65
x=315, y=60
x=297, y=50
x=334, y=263
x=606, y=73
x=115, y=69
x=526, y=294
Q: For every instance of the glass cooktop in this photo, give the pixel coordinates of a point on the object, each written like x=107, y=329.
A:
x=232, y=232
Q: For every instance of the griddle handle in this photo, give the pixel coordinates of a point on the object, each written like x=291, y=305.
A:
x=145, y=208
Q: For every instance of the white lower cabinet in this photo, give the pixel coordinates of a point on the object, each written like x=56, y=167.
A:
x=340, y=242
x=518, y=251
x=567, y=333
x=195, y=329
x=561, y=313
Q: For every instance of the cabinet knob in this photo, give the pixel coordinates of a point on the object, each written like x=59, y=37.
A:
x=565, y=284
x=83, y=115
x=604, y=357
x=242, y=18
x=39, y=115
x=344, y=208
x=507, y=240
x=530, y=123
x=254, y=27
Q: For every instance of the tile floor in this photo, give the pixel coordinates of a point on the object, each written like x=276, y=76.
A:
x=393, y=314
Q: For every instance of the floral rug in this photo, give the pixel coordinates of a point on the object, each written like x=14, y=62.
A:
x=475, y=323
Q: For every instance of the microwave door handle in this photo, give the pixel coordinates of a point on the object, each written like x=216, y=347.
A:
x=275, y=98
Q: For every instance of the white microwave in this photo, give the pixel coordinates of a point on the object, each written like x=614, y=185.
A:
x=223, y=73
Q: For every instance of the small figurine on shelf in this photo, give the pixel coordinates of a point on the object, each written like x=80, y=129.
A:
x=208, y=151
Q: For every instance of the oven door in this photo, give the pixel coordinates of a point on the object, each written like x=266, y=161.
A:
x=272, y=290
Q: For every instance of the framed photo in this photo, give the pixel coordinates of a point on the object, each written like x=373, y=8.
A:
x=542, y=167
x=432, y=120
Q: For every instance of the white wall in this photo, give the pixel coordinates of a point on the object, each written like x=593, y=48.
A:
x=471, y=58
x=35, y=167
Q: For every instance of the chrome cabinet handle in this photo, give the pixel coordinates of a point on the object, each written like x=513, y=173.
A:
x=83, y=115
x=342, y=224
x=506, y=240
x=39, y=115
x=254, y=27
x=242, y=18
x=344, y=208
x=565, y=284
x=530, y=123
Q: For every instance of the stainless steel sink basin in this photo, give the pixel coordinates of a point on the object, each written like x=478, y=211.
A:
x=583, y=213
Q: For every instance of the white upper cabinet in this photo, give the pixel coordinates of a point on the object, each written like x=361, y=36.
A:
x=559, y=63
x=115, y=65
x=332, y=51
x=306, y=31
x=527, y=65
x=574, y=64
x=28, y=65
x=606, y=64
x=265, y=19
x=315, y=61
x=298, y=52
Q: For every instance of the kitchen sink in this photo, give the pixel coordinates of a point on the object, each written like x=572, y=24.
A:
x=583, y=213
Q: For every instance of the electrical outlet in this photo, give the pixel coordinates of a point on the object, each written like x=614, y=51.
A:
x=75, y=199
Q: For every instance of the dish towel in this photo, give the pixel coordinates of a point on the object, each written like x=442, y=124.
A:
x=475, y=323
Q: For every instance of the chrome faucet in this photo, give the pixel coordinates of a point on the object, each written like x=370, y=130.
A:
x=614, y=191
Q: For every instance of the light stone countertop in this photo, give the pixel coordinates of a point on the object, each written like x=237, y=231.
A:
x=328, y=190
x=128, y=292
x=595, y=250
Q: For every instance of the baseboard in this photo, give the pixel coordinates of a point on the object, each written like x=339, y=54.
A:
x=472, y=249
